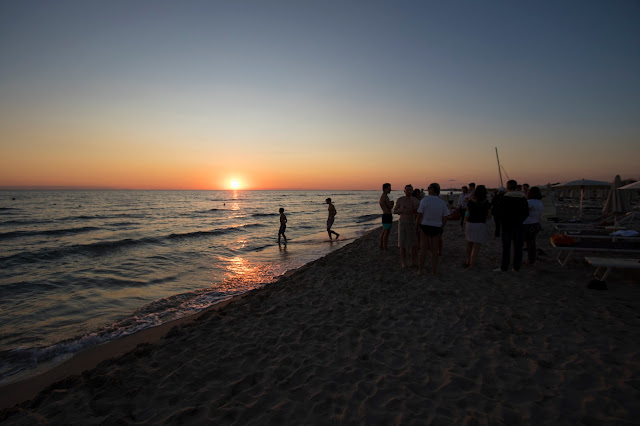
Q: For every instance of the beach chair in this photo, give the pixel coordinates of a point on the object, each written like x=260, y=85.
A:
x=563, y=228
x=597, y=246
x=599, y=234
x=607, y=222
x=604, y=265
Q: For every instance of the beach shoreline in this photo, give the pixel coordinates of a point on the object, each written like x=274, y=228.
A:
x=352, y=337
x=25, y=389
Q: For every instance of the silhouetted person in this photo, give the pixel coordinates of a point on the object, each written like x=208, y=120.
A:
x=432, y=216
x=532, y=223
x=283, y=226
x=494, y=209
x=387, y=218
x=331, y=218
x=513, y=210
x=462, y=204
x=407, y=208
x=476, y=231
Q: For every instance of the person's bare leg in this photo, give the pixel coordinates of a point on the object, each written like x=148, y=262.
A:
x=414, y=255
x=467, y=251
x=384, y=239
x=403, y=254
x=424, y=243
x=475, y=249
x=435, y=255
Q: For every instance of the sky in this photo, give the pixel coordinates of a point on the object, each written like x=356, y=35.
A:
x=317, y=94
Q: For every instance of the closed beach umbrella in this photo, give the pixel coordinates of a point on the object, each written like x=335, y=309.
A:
x=583, y=184
x=617, y=202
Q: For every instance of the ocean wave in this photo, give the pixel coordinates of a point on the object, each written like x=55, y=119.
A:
x=122, y=224
x=25, y=222
x=252, y=225
x=366, y=218
x=92, y=249
x=105, y=216
x=200, y=212
x=8, y=211
x=47, y=233
x=109, y=247
x=213, y=232
x=198, y=234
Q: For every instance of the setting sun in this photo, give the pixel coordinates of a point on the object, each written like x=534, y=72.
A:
x=234, y=184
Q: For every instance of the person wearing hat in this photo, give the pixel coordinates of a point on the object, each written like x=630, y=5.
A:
x=494, y=209
x=330, y=219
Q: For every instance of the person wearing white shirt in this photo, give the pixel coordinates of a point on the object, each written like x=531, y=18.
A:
x=531, y=225
x=432, y=216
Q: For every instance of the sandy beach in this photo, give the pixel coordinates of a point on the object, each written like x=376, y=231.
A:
x=353, y=338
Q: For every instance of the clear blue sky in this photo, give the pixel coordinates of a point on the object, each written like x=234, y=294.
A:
x=308, y=94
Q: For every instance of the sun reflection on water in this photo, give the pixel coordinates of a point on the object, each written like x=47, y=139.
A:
x=240, y=269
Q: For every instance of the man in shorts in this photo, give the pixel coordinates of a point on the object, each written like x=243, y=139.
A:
x=330, y=219
x=431, y=218
x=407, y=207
x=387, y=217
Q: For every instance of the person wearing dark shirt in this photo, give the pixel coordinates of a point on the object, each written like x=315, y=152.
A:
x=494, y=209
x=513, y=210
x=476, y=232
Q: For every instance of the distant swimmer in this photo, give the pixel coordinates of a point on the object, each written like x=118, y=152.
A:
x=283, y=226
x=331, y=218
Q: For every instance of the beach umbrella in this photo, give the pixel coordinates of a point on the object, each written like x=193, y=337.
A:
x=617, y=202
x=583, y=184
x=634, y=185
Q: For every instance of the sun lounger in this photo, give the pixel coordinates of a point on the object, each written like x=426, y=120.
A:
x=565, y=227
x=597, y=246
x=608, y=222
x=598, y=234
x=604, y=265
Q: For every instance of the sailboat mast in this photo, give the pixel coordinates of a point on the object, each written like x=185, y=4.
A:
x=499, y=168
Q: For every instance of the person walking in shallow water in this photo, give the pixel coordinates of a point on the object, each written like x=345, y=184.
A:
x=283, y=226
x=331, y=218
x=387, y=218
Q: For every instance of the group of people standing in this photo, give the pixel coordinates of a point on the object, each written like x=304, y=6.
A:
x=516, y=210
x=420, y=225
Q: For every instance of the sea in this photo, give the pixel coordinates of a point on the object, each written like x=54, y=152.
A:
x=79, y=268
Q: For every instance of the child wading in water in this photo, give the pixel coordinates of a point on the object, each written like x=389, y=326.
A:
x=283, y=226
